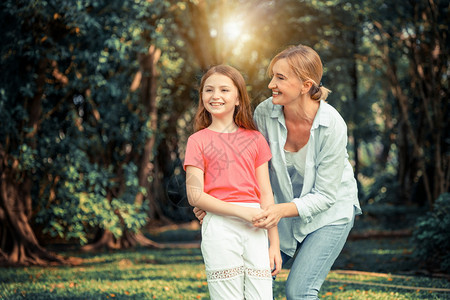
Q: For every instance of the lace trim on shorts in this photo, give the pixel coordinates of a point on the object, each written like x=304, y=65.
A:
x=261, y=273
x=224, y=274
x=213, y=275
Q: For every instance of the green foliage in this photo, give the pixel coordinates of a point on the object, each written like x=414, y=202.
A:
x=431, y=235
x=83, y=159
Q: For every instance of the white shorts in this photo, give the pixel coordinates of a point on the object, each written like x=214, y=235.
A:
x=236, y=256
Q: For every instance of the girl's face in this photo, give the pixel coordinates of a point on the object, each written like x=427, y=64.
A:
x=220, y=96
x=285, y=85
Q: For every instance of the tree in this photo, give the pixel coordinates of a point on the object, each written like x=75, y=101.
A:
x=70, y=130
x=412, y=39
x=21, y=115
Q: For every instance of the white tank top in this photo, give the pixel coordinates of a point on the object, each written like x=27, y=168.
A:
x=295, y=164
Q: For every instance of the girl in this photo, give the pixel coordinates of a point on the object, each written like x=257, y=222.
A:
x=226, y=165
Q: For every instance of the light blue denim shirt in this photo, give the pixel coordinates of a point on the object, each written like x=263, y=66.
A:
x=329, y=194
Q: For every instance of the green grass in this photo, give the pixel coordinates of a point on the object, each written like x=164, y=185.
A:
x=138, y=274
x=179, y=274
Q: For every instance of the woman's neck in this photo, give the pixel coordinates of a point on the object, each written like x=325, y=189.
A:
x=303, y=110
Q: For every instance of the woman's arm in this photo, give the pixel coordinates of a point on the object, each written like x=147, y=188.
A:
x=330, y=162
x=262, y=177
x=198, y=198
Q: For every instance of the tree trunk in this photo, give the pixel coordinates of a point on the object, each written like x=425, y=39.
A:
x=423, y=104
x=148, y=86
x=18, y=243
x=354, y=75
x=148, y=100
x=388, y=137
x=146, y=80
x=106, y=240
x=202, y=44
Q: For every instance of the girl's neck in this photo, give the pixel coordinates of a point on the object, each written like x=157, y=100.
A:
x=223, y=127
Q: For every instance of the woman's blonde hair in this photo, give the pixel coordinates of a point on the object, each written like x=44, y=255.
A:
x=242, y=113
x=306, y=65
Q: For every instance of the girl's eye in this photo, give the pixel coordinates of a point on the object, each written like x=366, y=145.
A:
x=280, y=77
x=225, y=90
x=207, y=90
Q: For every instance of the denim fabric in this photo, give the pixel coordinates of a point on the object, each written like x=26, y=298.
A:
x=329, y=194
x=313, y=260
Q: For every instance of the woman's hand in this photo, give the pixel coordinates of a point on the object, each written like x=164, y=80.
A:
x=272, y=215
x=199, y=214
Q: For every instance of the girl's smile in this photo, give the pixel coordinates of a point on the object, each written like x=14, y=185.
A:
x=220, y=96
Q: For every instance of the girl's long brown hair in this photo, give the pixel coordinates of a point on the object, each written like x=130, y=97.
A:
x=242, y=113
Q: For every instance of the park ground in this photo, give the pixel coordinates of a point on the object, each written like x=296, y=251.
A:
x=375, y=268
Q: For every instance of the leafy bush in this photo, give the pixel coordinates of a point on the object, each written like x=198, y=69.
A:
x=432, y=237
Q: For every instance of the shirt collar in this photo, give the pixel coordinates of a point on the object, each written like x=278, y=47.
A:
x=277, y=112
x=321, y=118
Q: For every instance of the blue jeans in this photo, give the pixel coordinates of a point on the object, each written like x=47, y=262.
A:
x=313, y=260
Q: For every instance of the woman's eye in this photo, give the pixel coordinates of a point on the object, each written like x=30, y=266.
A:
x=207, y=90
x=225, y=90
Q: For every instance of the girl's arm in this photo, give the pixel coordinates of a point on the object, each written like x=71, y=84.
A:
x=198, y=198
x=262, y=176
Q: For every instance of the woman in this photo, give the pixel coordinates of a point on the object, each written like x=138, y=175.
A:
x=312, y=180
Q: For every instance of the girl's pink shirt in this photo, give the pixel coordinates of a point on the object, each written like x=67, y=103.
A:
x=229, y=162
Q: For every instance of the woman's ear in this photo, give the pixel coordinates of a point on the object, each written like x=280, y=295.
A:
x=306, y=86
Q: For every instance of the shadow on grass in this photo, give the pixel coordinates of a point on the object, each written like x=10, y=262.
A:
x=379, y=255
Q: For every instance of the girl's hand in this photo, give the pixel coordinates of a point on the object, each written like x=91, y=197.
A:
x=275, y=259
x=269, y=217
x=249, y=213
x=199, y=214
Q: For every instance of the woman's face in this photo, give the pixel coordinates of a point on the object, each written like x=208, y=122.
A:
x=220, y=96
x=285, y=85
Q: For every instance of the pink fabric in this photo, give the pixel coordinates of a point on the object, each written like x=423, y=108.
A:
x=229, y=162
